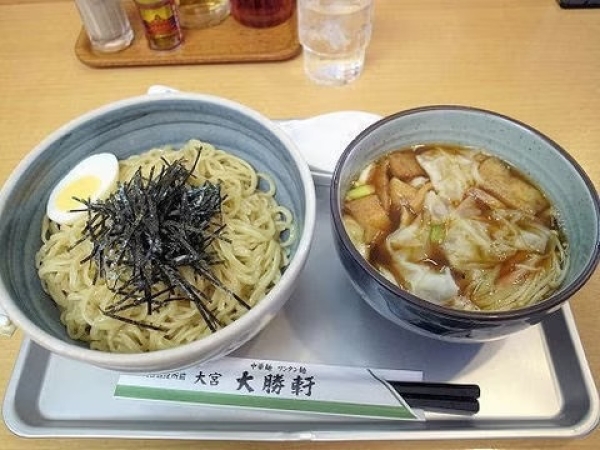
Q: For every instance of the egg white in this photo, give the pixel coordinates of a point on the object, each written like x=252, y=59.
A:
x=103, y=168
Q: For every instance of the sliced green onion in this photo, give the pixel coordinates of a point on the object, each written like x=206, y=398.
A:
x=359, y=192
x=437, y=233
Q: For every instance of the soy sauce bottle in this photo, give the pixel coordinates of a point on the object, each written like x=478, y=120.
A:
x=262, y=13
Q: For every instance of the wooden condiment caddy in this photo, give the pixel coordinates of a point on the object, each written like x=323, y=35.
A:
x=226, y=42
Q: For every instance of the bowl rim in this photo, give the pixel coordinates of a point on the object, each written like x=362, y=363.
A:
x=551, y=303
x=167, y=357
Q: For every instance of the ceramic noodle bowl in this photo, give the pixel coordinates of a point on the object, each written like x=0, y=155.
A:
x=130, y=127
x=535, y=156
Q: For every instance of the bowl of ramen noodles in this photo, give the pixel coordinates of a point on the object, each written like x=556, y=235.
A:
x=154, y=233
x=463, y=224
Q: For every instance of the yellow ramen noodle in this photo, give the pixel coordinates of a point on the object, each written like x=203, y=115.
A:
x=253, y=252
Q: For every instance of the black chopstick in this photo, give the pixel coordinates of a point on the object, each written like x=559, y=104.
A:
x=443, y=404
x=442, y=397
x=429, y=388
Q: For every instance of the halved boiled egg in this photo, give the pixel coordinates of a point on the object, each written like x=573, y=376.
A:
x=91, y=179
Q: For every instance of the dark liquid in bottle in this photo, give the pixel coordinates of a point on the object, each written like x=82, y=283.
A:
x=262, y=13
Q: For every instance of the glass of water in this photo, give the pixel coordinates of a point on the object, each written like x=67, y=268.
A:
x=334, y=35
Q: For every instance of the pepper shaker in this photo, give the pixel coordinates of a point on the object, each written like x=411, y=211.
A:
x=106, y=24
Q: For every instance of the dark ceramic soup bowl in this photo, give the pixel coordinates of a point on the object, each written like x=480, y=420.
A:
x=540, y=159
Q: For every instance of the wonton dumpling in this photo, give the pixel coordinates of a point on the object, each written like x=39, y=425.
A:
x=426, y=282
x=450, y=174
x=438, y=209
x=468, y=244
x=407, y=245
x=410, y=238
x=534, y=239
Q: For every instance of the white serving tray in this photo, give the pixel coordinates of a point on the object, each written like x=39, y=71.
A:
x=533, y=384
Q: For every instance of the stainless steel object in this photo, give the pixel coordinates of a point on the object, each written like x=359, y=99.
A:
x=534, y=384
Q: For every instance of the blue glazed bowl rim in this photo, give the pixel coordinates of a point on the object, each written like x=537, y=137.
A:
x=548, y=305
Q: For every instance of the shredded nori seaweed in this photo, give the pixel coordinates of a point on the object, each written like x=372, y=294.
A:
x=147, y=230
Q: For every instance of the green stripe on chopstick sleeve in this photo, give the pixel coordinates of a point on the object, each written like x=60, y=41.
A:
x=317, y=406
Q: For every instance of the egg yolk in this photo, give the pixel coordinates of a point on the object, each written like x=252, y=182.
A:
x=82, y=188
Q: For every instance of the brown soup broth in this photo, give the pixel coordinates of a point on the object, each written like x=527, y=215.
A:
x=498, y=201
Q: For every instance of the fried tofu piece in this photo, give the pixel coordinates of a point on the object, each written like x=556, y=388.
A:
x=370, y=215
x=418, y=202
x=484, y=198
x=510, y=189
x=381, y=181
x=401, y=193
x=404, y=165
x=404, y=194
